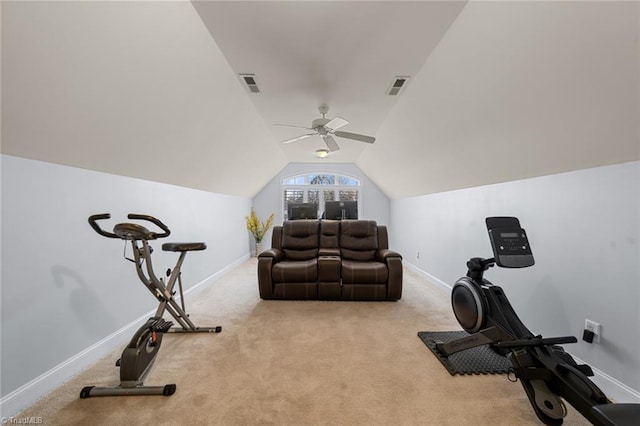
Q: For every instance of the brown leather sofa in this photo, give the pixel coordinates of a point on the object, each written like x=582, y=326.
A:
x=330, y=260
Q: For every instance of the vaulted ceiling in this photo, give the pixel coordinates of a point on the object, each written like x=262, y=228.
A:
x=498, y=91
x=344, y=55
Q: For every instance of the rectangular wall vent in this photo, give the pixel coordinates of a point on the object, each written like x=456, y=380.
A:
x=251, y=83
x=398, y=84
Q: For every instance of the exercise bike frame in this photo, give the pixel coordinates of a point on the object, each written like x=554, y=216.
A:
x=139, y=355
x=164, y=293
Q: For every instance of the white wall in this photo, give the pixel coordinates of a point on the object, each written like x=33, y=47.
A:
x=374, y=203
x=64, y=287
x=584, y=231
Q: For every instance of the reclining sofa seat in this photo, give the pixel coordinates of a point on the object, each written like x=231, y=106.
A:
x=294, y=270
x=330, y=260
x=370, y=271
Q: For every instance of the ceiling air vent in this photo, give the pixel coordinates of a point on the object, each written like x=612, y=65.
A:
x=251, y=83
x=398, y=84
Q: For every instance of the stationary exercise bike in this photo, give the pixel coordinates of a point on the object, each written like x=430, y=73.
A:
x=547, y=373
x=139, y=355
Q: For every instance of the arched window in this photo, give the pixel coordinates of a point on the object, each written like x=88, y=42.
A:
x=307, y=195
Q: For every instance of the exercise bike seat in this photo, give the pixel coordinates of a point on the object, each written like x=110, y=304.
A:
x=183, y=246
x=617, y=414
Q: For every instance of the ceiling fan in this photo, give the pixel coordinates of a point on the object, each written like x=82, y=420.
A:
x=327, y=128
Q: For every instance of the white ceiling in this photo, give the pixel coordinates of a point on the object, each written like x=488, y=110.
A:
x=498, y=91
x=344, y=55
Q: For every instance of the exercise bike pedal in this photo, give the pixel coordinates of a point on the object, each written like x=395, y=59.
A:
x=162, y=326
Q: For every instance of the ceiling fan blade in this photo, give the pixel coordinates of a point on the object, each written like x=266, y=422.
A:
x=355, y=137
x=336, y=123
x=289, y=125
x=297, y=138
x=331, y=143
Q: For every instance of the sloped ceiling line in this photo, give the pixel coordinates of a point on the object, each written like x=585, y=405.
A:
x=522, y=89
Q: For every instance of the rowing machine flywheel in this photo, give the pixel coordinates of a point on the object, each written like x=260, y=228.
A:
x=468, y=305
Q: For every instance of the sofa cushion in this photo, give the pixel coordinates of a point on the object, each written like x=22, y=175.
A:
x=299, y=271
x=355, y=272
x=358, y=239
x=300, y=239
x=329, y=234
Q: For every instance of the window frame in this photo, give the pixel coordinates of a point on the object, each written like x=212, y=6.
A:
x=307, y=186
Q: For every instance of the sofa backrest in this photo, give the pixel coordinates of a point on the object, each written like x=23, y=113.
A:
x=330, y=234
x=300, y=239
x=383, y=237
x=358, y=239
x=276, y=237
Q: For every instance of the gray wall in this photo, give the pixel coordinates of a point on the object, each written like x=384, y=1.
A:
x=375, y=204
x=584, y=231
x=64, y=287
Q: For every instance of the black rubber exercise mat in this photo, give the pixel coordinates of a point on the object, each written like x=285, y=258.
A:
x=478, y=360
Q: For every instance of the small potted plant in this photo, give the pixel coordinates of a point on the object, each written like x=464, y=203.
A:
x=258, y=229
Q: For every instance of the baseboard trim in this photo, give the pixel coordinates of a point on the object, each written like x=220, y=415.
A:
x=428, y=276
x=614, y=389
x=27, y=394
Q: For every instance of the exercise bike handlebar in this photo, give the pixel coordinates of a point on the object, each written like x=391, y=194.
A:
x=102, y=216
x=93, y=222
x=153, y=220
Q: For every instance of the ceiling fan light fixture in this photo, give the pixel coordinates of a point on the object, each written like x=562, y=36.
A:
x=322, y=153
x=326, y=128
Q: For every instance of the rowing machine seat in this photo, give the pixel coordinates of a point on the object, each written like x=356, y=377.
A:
x=617, y=414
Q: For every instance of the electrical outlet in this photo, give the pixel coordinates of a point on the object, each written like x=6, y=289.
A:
x=593, y=327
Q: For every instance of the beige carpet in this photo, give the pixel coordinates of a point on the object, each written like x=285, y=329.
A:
x=301, y=363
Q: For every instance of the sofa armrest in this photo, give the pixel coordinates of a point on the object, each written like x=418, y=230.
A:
x=394, y=287
x=265, y=283
x=329, y=252
x=393, y=261
x=384, y=254
x=276, y=254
